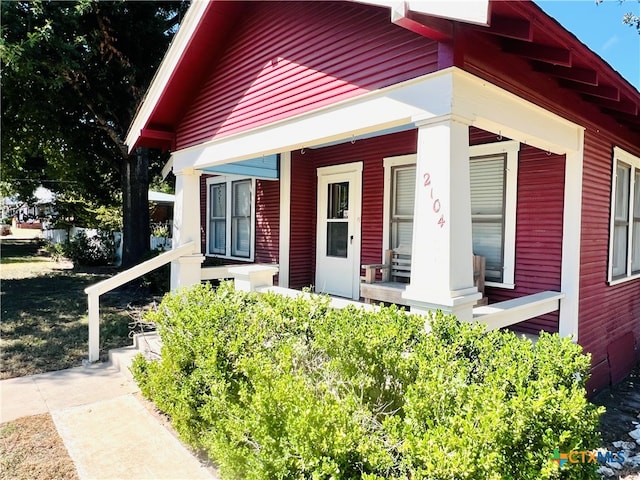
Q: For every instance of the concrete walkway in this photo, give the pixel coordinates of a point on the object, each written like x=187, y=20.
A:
x=109, y=434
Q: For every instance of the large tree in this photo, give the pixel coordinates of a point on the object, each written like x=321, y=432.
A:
x=73, y=76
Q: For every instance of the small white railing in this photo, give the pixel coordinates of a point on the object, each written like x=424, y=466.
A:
x=94, y=291
x=510, y=312
x=259, y=277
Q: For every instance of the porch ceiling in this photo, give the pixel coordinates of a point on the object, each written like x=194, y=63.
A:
x=265, y=167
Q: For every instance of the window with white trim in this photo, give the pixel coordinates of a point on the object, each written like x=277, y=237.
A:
x=402, y=202
x=230, y=214
x=488, y=187
x=624, y=243
x=493, y=175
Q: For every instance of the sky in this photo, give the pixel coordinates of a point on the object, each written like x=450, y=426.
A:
x=600, y=27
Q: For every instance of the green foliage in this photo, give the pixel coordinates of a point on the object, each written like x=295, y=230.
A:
x=160, y=230
x=631, y=19
x=164, y=185
x=74, y=210
x=93, y=251
x=55, y=250
x=274, y=387
x=73, y=76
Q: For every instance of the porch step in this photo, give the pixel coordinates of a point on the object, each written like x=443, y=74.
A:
x=148, y=344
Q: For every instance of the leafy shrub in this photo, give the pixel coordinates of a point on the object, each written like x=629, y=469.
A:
x=97, y=250
x=274, y=387
x=55, y=250
x=160, y=230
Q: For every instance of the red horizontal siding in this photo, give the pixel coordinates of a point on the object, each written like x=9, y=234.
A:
x=267, y=221
x=287, y=58
x=303, y=220
x=607, y=313
x=538, y=232
x=304, y=190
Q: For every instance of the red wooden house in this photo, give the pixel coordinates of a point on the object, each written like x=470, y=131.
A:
x=317, y=135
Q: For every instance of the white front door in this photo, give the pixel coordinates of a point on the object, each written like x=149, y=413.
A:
x=338, y=230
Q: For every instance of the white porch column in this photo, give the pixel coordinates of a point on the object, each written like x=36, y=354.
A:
x=441, y=260
x=285, y=219
x=185, y=271
x=571, y=243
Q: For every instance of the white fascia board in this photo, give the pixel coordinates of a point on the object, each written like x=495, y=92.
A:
x=497, y=110
x=402, y=104
x=167, y=68
x=468, y=11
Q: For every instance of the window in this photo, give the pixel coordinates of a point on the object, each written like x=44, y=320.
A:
x=493, y=174
x=488, y=175
x=230, y=217
x=624, y=249
x=402, y=202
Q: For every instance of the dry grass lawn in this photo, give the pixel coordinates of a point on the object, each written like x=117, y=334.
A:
x=31, y=449
x=44, y=328
x=44, y=311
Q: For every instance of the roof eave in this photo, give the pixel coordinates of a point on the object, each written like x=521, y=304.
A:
x=161, y=79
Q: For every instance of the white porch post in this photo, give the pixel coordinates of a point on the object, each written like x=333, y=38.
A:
x=442, y=270
x=185, y=271
x=285, y=219
x=571, y=243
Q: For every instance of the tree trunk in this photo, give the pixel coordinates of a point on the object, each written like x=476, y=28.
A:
x=135, y=208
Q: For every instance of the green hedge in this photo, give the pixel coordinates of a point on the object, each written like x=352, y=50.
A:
x=276, y=388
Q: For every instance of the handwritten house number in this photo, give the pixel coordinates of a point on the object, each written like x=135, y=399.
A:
x=437, y=205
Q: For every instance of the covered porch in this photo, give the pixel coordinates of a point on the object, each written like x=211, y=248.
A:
x=327, y=204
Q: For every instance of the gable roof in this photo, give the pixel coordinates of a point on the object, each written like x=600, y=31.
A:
x=518, y=28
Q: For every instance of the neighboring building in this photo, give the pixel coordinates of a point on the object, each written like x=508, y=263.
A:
x=31, y=214
x=317, y=135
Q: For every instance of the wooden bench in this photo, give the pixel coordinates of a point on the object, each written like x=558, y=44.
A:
x=396, y=273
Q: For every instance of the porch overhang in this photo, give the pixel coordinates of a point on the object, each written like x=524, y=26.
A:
x=446, y=92
x=451, y=99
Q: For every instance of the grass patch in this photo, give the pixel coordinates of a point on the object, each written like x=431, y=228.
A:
x=44, y=312
x=30, y=447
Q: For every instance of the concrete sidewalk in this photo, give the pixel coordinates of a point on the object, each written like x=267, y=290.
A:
x=109, y=434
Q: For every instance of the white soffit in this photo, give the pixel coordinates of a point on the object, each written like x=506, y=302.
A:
x=469, y=11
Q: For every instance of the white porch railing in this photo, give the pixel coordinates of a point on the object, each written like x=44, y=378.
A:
x=510, y=312
x=259, y=278
x=94, y=291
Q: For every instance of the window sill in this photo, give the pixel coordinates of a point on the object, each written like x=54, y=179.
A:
x=508, y=286
x=228, y=257
x=618, y=281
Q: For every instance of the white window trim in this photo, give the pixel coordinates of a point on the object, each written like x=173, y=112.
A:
x=389, y=164
x=511, y=148
x=228, y=179
x=620, y=155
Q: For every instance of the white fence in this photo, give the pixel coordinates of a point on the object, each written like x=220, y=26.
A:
x=60, y=235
